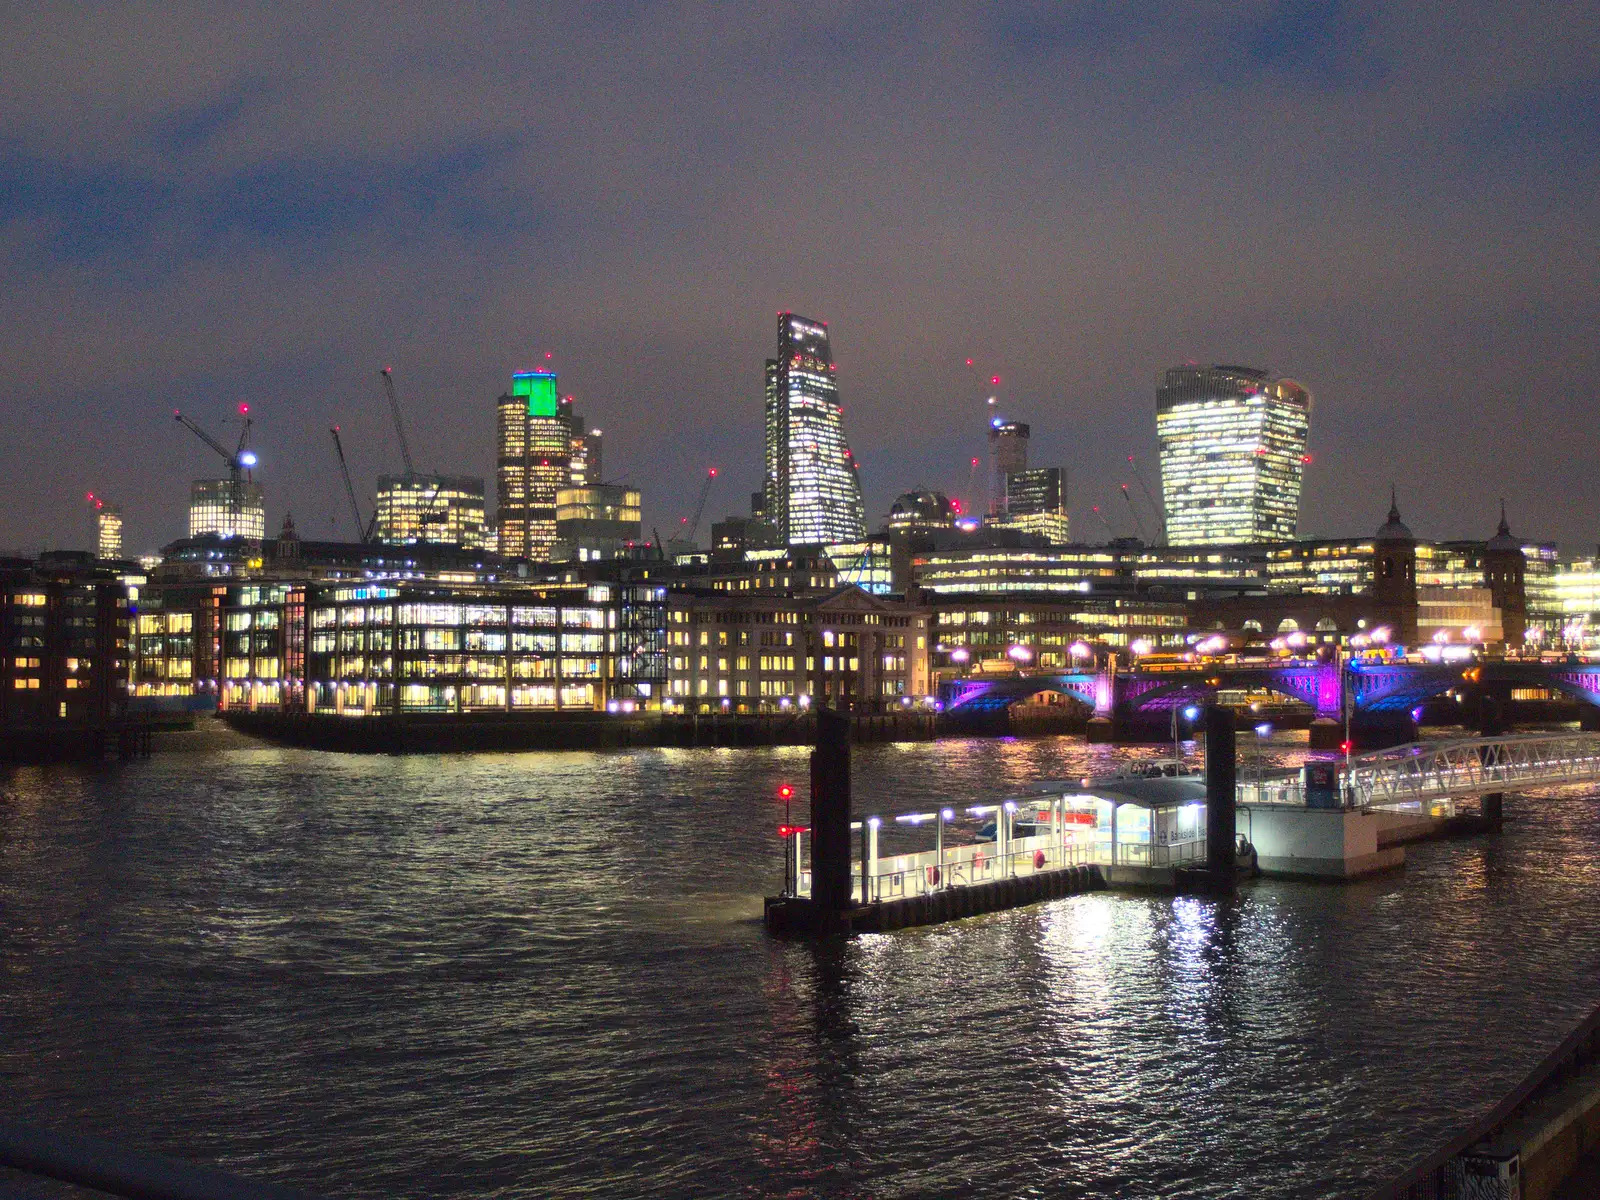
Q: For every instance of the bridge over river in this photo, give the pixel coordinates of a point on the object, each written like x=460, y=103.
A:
x=1383, y=698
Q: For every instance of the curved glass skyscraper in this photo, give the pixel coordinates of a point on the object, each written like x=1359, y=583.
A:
x=812, y=491
x=1233, y=453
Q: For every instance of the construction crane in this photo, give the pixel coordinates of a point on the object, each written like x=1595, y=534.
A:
x=239, y=460
x=363, y=529
x=1137, y=523
x=1161, y=515
x=399, y=425
x=693, y=523
x=972, y=488
x=1096, y=510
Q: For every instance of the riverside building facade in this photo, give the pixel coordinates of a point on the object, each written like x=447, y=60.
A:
x=812, y=491
x=66, y=640
x=754, y=652
x=366, y=649
x=1233, y=454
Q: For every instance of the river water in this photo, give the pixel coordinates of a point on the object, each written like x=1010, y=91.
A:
x=545, y=974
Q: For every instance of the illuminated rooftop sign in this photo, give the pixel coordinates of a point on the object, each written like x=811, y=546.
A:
x=539, y=387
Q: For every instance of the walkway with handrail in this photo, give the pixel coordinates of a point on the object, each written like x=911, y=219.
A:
x=1419, y=774
x=1422, y=771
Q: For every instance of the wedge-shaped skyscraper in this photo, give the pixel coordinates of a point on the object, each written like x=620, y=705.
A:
x=813, y=493
x=1233, y=453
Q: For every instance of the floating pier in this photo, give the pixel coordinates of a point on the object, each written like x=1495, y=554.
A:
x=1141, y=830
x=1153, y=827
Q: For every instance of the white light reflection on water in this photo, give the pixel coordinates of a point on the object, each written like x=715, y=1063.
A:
x=526, y=974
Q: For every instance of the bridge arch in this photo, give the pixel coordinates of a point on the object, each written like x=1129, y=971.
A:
x=991, y=695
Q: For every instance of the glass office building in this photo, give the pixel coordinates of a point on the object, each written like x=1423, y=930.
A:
x=108, y=530
x=1036, y=502
x=441, y=510
x=1233, y=453
x=535, y=446
x=812, y=491
x=228, y=508
x=598, y=522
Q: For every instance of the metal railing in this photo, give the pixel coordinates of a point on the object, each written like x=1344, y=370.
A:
x=1420, y=772
x=1435, y=1177
x=898, y=876
x=901, y=875
x=105, y=1167
x=1423, y=775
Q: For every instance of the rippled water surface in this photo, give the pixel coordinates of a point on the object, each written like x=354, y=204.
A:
x=545, y=974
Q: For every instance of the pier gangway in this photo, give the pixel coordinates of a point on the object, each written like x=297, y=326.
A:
x=1420, y=772
x=1419, y=775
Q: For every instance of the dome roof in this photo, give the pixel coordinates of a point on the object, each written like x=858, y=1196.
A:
x=1394, y=529
x=1502, y=540
x=922, y=505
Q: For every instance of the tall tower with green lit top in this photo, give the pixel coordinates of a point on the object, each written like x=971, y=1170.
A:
x=534, y=442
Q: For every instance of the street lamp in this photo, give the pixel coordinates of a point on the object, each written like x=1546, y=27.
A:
x=1263, y=731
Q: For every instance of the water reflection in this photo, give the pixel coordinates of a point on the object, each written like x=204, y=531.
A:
x=536, y=974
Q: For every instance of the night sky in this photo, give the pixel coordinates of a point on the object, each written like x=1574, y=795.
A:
x=1394, y=204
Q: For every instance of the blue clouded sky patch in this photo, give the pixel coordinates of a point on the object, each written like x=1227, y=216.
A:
x=105, y=216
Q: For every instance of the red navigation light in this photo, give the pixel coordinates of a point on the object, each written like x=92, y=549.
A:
x=969, y=362
x=788, y=831
x=994, y=379
x=785, y=792
x=88, y=495
x=974, y=462
x=1306, y=459
x=713, y=472
x=548, y=354
x=243, y=409
x=1346, y=746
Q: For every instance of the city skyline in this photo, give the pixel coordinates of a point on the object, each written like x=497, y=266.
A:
x=276, y=227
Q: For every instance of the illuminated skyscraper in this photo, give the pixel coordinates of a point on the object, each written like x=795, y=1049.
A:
x=812, y=491
x=1233, y=453
x=108, y=525
x=535, y=447
x=1008, y=454
x=584, y=448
